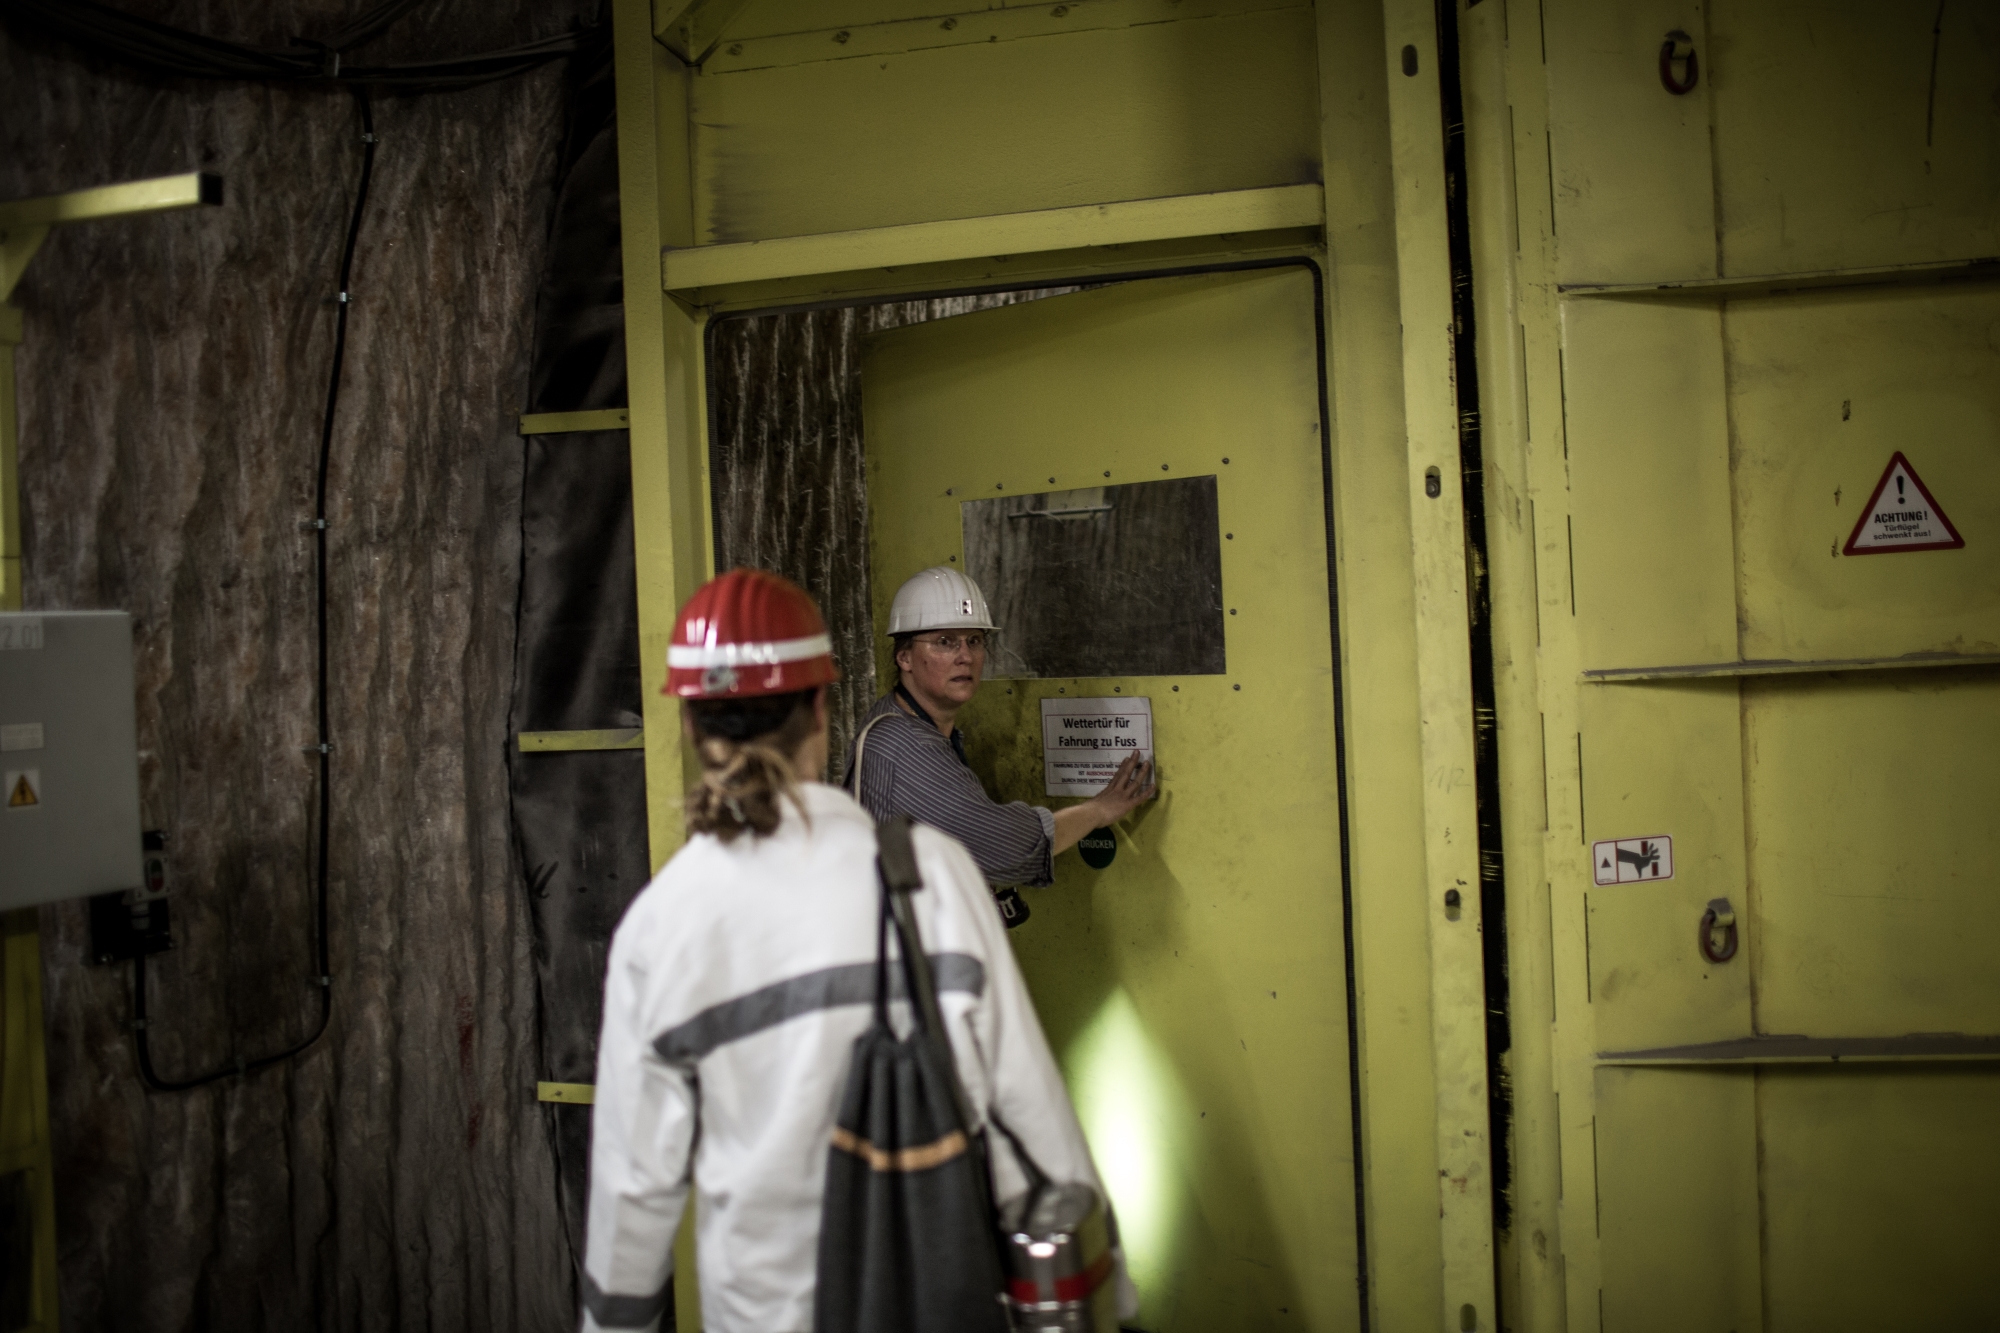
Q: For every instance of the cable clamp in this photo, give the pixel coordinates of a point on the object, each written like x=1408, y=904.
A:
x=325, y=981
x=343, y=298
x=313, y=525
x=323, y=747
x=368, y=138
x=138, y=1025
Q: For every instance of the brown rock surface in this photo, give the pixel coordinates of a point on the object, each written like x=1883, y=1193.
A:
x=789, y=463
x=172, y=382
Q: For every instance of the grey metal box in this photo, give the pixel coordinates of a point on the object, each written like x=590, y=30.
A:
x=69, y=756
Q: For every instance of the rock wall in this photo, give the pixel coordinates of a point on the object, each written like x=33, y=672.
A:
x=788, y=462
x=398, y=1174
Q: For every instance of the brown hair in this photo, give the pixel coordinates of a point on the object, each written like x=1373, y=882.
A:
x=745, y=747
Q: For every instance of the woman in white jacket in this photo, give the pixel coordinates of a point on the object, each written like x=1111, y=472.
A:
x=742, y=975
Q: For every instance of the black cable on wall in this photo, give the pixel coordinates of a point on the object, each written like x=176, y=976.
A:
x=323, y=750
x=162, y=49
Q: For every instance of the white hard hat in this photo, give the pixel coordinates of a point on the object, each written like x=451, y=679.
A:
x=938, y=598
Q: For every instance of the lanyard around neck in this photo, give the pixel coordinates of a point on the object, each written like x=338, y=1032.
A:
x=957, y=736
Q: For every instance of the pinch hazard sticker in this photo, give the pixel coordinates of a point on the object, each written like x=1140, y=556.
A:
x=1901, y=515
x=23, y=788
x=1630, y=860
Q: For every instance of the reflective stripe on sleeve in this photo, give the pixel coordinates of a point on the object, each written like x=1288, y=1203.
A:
x=614, y=1311
x=828, y=988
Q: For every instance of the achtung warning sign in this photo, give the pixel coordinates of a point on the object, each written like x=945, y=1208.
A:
x=1901, y=515
x=23, y=788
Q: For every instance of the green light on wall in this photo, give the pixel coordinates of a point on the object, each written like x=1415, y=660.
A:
x=1134, y=1112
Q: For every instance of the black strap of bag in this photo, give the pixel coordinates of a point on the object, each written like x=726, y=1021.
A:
x=897, y=859
x=907, y=1242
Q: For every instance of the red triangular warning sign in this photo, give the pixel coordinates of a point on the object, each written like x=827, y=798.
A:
x=1901, y=516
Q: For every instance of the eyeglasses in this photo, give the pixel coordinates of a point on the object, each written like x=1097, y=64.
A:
x=951, y=643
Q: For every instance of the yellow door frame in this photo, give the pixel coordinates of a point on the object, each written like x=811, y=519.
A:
x=1376, y=225
x=1444, y=672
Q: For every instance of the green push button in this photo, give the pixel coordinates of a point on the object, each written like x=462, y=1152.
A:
x=1098, y=847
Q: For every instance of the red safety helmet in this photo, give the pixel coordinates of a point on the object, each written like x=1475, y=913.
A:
x=747, y=633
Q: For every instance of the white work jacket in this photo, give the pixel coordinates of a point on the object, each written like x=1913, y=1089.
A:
x=738, y=983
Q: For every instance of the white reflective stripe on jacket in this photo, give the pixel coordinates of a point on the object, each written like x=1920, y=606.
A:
x=738, y=982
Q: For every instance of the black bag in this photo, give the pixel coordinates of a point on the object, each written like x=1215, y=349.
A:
x=906, y=1241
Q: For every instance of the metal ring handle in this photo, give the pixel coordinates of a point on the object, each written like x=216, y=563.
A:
x=1707, y=938
x=1667, y=58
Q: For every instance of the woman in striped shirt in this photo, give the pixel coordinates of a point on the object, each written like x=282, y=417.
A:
x=911, y=756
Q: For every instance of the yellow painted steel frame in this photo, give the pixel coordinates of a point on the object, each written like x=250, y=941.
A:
x=24, y=1093
x=1420, y=1004
x=10, y=476
x=1538, y=1253
x=1567, y=123
x=24, y=1085
x=24, y=1102
x=1444, y=673
x=667, y=405
x=666, y=408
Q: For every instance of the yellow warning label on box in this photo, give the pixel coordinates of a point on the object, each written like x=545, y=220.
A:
x=23, y=788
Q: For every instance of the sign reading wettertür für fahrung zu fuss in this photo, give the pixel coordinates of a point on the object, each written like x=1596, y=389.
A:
x=1084, y=741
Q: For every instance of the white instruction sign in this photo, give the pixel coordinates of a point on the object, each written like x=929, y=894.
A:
x=21, y=736
x=1629, y=860
x=20, y=632
x=1084, y=741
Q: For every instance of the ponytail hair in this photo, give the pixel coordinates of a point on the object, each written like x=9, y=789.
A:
x=745, y=748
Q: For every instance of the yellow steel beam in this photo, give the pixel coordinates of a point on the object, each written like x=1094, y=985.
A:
x=24, y=1104
x=24, y=1109
x=24, y=223
x=1736, y=1051
x=1378, y=641
x=1777, y=284
x=1784, y=667
x=10, y=481
x=929, y=28
x=17, y=246
x=568, y=423
x=576, y=1094
x=663, y=360
x=692, y=29
x=1444, y=675
x=160, y=194
x=1555, y=720
x=647, y=370
x=1529, y=1263
x=543, y=742
x=1050, y=268
x=1227, y=213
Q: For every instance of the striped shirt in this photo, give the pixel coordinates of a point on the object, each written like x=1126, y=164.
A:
x=909, y=768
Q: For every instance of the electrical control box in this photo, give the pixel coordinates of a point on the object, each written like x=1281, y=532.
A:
x=69, y=757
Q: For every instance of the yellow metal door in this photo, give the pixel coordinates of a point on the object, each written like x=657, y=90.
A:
x=1761, y=299
x=1195, y=989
